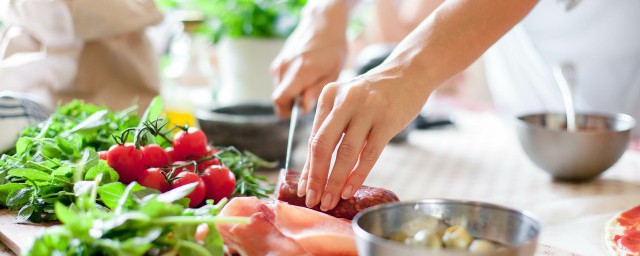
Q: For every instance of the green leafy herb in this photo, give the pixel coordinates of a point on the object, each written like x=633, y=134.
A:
x=47, y=156
x=151, y=225
x=243, y=18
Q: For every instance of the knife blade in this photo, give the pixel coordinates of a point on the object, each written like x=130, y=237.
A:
x=295, y=110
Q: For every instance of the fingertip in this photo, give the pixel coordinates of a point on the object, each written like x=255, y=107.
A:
x=347, y=192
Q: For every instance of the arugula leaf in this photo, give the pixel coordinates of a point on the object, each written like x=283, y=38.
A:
x=95, y=120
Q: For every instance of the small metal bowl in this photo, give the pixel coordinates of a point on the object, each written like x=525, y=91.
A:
x=575, y=156
x=253, y=127
x=516, y=230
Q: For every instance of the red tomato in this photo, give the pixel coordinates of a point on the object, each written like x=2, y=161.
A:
x=204, y=164
x=155, y=156
x=103, y=154
x=172, y=155
x=220, y=182
x=197, y=195
x=127, y=161
x=192, y=143
x=154, y=178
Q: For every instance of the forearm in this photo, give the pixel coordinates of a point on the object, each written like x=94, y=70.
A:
x=450, y=39
x=330, y=14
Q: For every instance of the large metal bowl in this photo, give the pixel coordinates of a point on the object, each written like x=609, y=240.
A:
x=579, y=155
x=517, y=230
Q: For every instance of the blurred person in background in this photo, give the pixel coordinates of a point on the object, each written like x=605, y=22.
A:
x=95, y=50
x=54, y=51
x=356, y=118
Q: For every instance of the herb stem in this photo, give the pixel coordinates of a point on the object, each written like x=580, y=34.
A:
x=198, y=220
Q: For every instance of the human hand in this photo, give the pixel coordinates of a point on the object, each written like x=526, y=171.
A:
x=358, y=117
x=311, y=58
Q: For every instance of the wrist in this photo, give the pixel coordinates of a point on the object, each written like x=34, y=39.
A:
x=407, y=73
x=329, y=14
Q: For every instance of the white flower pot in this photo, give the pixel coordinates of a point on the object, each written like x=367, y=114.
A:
x=244, y=69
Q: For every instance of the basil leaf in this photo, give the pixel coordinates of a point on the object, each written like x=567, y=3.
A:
x=111, y=193
x=30, y=174
x=23, y=145
x=64, y=214
x=108, y=174
x=25, y=213
x=64, y=170
x=6, y=189
x=19, y=197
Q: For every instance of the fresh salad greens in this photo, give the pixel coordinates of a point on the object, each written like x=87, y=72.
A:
x=50, y=159
x=40, y=169
x=139, y=222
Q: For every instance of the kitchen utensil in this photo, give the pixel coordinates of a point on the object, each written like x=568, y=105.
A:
x=516, y=230
x=253, y=127
x=566, y=89
x=597, y=144
x=292, y=129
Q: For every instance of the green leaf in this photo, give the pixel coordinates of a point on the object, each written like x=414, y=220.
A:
x=176, y=193
x=19, y=197
x=81, y=188
x=30, y=174
x=23, y=145
x=6, y=189
x=153, y=112
x=213, y=242
x=64, y=170
x=25, y=213
x=64, y=214
x=109, y=174
x=111, y=193
x=66, y=146
x=94, y=121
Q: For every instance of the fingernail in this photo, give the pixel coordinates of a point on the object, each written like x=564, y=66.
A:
x=346, y=192
x=302, y=188
x=311, y=198
x=326, y=202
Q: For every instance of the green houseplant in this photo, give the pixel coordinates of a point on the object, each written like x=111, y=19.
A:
x=248, y=35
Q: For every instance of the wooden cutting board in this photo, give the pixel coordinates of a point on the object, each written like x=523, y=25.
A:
x=18, y=237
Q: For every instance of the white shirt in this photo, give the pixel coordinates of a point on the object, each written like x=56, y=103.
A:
x=601, y=38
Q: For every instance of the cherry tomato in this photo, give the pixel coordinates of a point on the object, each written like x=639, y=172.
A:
x=155, y=156
x=220, y=182
x=192, y=143
x=204, y=164
x=127, y=161
x=172, y=155
x=189, y=168
x=154, y=178
x=197, y=195
x=103, y=154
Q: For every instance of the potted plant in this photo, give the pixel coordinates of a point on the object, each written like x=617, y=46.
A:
x=248, y=36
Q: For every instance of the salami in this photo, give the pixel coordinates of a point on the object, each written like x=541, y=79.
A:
x=364, y=197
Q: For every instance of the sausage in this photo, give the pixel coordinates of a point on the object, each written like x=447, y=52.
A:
x=364, y=197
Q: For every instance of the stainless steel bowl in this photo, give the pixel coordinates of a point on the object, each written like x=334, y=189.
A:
x=517, y=230
x=580, y=155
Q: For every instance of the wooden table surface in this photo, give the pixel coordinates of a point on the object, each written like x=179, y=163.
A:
x=481, y=159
